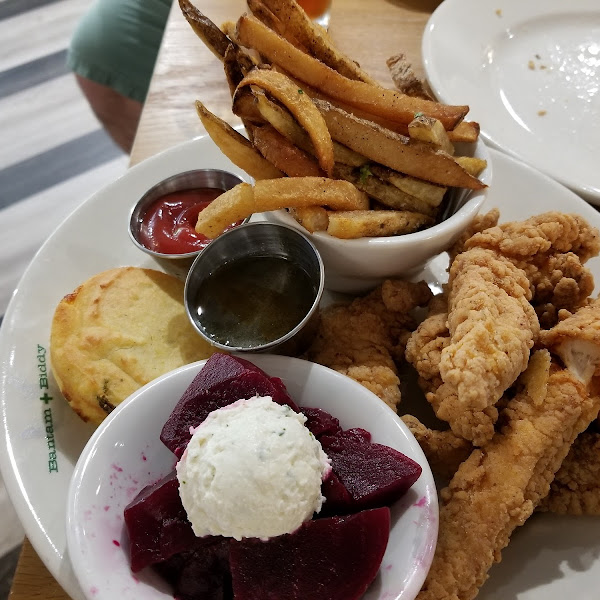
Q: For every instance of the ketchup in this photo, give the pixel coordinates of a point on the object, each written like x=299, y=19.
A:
x=169, y=224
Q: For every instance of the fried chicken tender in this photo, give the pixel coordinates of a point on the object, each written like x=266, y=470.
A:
x=363, y=339
x=576, y=339
x=480, y=223
x=551, y=249
x=492, y=329
x=497, y=488
x=443, y=449
x=576, y=487
x=424, y=346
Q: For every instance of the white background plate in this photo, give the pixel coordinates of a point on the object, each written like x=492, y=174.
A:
x=509, y=60
x=129, y=449
x=551, y=558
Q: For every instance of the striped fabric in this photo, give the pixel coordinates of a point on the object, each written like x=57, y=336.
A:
x=54, y=152
x=53, y=155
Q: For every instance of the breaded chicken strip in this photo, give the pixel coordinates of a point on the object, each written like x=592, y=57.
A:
x=576, y=339
x=497, y=488
x=551, y=248
x=576, y=487
x=443, y=449
x=480, y=223
x=363, y=339
x=492, y=329
x=424, y=346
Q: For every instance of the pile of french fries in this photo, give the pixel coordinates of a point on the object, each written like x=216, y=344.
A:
x=342, y=153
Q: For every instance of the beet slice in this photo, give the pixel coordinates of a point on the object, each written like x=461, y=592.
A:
x=335, y=558
x=200, y=573
x=224, y=379
x=157, y=524
x=319, y=422
x=374, y=475
x=338, y=500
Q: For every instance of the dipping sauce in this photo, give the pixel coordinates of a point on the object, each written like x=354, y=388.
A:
x=168, y=224
x=254, y=300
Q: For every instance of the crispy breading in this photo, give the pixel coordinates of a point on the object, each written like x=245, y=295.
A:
x=540, y=236
x=424, y=346
x=363, y=339
x=551, y=249
x=492, y=328
x=479, y=223
x=576, y=487
x=497, y=488
x=444, y=450
x=576, y=339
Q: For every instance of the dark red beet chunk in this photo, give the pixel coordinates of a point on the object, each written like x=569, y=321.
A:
x=320, y=422
x=374, y=475
x=335, y=558
x=202, y=573
x=224, y=379
x=338, y=500
x=157, y=524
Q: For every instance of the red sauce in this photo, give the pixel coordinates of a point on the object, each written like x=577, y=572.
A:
x=168, y=225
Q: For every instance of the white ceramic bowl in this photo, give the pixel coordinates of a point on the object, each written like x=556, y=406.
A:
x=355, y=266
x=125, y=454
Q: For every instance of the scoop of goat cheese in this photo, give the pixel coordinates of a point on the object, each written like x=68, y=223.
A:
x=251, y=469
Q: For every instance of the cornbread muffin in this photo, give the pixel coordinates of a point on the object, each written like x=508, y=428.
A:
x=116, y=332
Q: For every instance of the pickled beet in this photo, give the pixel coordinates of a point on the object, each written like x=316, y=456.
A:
x=320, y=422
x=224, y=379
x=335, y=559
x=157, y=524
x=199, y=573
x=374, y=475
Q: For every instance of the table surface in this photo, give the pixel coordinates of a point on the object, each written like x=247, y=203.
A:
x=368, y=31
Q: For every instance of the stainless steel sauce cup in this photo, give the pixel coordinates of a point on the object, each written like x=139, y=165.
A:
x=177, y=264
x=258, y=240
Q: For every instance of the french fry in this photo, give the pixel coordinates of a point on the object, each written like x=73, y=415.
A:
x=279, y=151
x=394, y=150
x=273, y=194
x=430, y=193
x=214, y=39
x=228, y=28
x=374, y=223
x=233, y=205
x=472, y=165
x=263, y=13
x=382, y=191
x=312, y=218
x=465, y=131
x=404, y=77
x=431, y=131
x=296, y=25
x=244, y=200
x=236, y=147
x=391, y=104
x=284, y=122
x=301, y=106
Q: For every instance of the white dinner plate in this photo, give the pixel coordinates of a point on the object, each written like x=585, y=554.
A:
x=530, y=71
x=552, y=557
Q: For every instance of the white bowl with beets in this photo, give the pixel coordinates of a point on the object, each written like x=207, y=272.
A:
x=126, y=454
x=358, y=265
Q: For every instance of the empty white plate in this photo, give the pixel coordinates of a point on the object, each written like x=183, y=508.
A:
x=530, y=71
